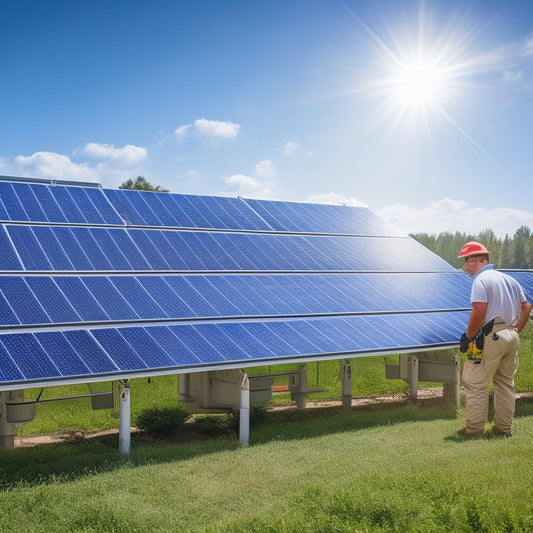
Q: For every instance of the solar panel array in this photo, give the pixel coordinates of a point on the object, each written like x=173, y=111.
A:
x=100, y=284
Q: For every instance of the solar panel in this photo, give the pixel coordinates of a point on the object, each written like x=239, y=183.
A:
x=102, y=284
x=49, y=248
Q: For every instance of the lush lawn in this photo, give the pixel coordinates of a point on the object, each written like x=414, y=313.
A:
x=398, y=468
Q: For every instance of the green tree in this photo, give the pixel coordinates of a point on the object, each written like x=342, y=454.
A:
x=141, y=184
x=506, y=254
x=521, y=239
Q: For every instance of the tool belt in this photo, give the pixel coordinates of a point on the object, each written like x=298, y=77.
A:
x=475, y=353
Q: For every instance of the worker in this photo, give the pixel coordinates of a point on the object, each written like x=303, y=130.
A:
x=499, y=312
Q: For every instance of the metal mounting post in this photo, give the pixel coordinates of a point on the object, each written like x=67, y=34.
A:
x=413, y=378
x=346, y=384
x=124, y=436
x=244, y=414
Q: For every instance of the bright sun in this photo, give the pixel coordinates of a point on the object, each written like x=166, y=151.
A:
x=418, y=85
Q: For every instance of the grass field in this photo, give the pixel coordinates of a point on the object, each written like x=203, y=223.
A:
x=398, y=468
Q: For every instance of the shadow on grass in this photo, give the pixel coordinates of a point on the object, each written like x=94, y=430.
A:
x=79, y=457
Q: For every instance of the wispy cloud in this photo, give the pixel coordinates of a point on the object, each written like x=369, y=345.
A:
x=291, y=147
x=265, y=169
x=528, y=47
x=216, y=129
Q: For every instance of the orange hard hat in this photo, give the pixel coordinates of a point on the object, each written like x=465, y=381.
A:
x=473, y=248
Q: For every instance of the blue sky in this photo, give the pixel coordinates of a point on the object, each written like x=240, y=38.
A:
x=422, y=111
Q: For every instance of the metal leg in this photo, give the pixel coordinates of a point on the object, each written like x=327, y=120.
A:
x=124, y=438
x=346, y=384
x=244, y=414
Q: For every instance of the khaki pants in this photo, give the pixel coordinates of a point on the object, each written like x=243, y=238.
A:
x=500, y=362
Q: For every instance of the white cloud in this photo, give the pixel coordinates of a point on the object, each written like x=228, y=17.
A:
x=241, y=185
x=117, y=157
x=265, y=169
x=112, y=164
x=182, y=130
x=215, y=129
x=454, y=215
x=334, y=199
x=291, y=147
x=52, y=165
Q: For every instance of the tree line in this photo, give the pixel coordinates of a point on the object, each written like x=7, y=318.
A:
x=509, y=252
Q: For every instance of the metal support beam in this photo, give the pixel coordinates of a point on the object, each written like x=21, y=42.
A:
x=346, y=384
x=244, y=414
x=124, y=436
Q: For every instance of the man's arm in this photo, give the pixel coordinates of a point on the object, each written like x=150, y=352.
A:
x=477, y=318
x=525, y=310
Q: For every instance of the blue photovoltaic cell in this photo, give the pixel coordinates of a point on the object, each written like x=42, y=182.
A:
x=113, y=303
x=28, y=248
x=226, y=347
x=138, y=298
x=197, y=344
x=48, y=203
x=161, y=291
x=90, y=352
x=60, y=352
x=122, y=353
x=81, y=298
x=7, y=316
x=29, y=202
x=8, y=369
x=30, y=357
x=180, y=354
x=101, y=205
x=83, y=202
x=8, y=257
x=52, y=248
x=147, y=349
x=26, y=307
x=86, y=240
x=156, y=259
x=73, y=250
x=52, y=299
x=71, y=211
x=11, y=203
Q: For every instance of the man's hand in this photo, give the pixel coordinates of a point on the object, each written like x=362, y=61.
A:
x=464, y=343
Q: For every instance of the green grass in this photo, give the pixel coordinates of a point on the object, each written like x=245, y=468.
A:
x=376, y=469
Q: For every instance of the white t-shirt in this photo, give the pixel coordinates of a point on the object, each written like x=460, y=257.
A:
x=502, y=293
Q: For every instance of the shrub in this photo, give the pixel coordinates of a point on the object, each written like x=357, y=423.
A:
x=162, y=421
